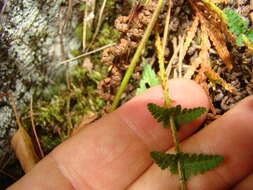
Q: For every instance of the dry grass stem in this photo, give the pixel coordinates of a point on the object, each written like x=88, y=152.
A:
x=99, y=21
x=181, y=57
x=86, y=54
x=85, y=15
x=34, y=129
x=167, y=24
x=176, y=48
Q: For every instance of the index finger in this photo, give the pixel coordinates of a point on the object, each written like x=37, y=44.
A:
x=114, y=151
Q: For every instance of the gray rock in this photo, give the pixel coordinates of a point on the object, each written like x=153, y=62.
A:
x=29, y=46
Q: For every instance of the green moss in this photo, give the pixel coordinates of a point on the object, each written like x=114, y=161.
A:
x=107, y=35
x=49, y=141
x=57, y=106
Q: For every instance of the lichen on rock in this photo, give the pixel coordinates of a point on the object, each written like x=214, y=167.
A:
x=27, y=30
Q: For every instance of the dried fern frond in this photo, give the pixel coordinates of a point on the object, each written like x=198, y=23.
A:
x=216, y=28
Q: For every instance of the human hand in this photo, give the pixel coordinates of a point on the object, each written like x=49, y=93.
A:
x=113, y=152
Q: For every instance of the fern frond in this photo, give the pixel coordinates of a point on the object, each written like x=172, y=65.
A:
x=236, y=24
x=181, y=117
x=198, y=163
x=192, y=164
x=186, y=116
x=162, y=114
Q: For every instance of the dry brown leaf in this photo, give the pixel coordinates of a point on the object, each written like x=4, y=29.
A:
x=22, y=144
x=24, y=149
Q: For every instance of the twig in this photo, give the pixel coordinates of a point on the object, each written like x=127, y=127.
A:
x=34, y=129
x=86, y=54
x=136, y=57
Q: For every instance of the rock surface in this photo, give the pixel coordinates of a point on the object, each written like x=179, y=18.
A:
x=29, y=45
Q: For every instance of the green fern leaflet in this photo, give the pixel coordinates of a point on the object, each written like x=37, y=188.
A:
x=192, y=164
x=237, y=25
x=181, y=117
x=188, y=115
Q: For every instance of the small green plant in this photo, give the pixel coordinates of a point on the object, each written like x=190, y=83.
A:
x=148, y=78
x=180, y=163
x=239, y=27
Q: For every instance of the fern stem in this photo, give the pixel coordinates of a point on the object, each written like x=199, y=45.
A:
x=167, y=103
x=177, y=150
x=136, y=56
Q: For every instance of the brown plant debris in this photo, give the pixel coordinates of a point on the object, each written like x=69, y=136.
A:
x=190, y=35
x=206, y=71
x=216, y=29
x=117, y=57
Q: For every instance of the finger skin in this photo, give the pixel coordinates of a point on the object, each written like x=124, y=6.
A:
x=230, y=136
x=114, y=151
x=245, y=184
